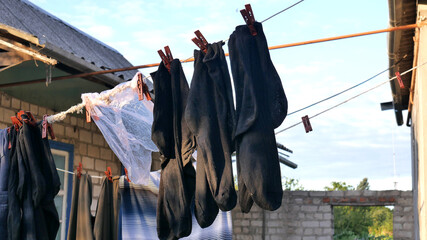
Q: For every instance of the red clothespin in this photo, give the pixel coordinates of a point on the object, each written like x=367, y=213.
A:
x=307, y=125
x=30, y=119
x=16, y=122
x=79, y=170
x=166, y=58
x=127, y=177
x=399, y=79
x=143, y=89
x=109, y=174
x=248, y=16
x=47, y=127
x=10, y=143
x=200, y=41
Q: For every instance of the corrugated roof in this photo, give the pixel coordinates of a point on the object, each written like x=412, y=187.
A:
x=29, y=18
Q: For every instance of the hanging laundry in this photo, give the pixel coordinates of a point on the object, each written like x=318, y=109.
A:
x=4, y=176
x=125, y=122
x=33, y=183
x=261, y=106
x=80, y=226
x=210, y=117
x=176, y=144
x=106, y=224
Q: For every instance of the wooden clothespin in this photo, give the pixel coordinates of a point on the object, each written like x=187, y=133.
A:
x=16, y=122
x=109, y=174
x=143, y=89
x=200, y=41
x=166, y=58
x=248, y=16
x=88, y=119
x=399, y=79
x=307, y=125
x=79, y=170
x=47, y=128
x=127, y=177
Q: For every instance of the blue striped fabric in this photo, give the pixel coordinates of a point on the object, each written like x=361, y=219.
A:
x=139, y=217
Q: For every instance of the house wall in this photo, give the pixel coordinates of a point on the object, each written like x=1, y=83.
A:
x=90, y=147
x=419, y=124
x=308, y=215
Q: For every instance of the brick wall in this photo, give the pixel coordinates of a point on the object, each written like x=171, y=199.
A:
x=308, y=215
x=90, y=147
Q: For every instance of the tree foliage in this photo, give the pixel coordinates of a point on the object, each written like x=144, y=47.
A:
x=360, y=222
x=291, y=184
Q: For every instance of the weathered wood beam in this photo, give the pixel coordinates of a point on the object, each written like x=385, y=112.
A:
x=11, y=58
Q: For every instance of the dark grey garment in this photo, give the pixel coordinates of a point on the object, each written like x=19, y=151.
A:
x=176, y=144
x=210, y=116
x=4, y=175
x=261, y=106
x=107, y=211
x=80, y=226
x=14, y=202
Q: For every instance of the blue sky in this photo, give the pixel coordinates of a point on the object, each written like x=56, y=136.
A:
x=348, y=143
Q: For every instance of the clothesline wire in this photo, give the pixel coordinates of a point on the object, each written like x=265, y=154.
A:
x=348, y=89
x=341, y=103
x=65, y=171
x=293, y=5
x=83, y=75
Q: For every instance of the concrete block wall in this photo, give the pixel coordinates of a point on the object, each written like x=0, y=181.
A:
x=308, y=215
x=90, y=147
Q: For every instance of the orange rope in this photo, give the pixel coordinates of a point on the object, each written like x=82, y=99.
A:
x=406, y=27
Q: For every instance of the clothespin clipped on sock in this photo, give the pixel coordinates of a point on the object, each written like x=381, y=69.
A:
x=143, y=89
x=47, y=128
x=307, y=125
x=166, y=58
x=27, y=117
x=79, y=170
x=109, y=174
x=399, y=79
x=16, y=122
x=200, y=41
x=8, y=138
x=248, y=16
x=127, y=177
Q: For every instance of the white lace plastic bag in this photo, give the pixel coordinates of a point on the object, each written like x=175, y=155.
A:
x=126, y=124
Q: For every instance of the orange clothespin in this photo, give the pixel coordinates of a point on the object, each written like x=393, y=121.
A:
x=109, y=174
x=307, y=125
x=47, y=127
x=143, y=89
x=79, y=170
x=200, y=41
x=248, y=16
x=29, y=118
x=166, y=58
x=16, y=122
x=127, y=177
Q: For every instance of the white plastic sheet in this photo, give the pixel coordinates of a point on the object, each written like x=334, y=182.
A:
x=126, y=124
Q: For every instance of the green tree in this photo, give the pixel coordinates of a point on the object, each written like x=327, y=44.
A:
x=291, y=184
x=339, y=186
x=360, y=222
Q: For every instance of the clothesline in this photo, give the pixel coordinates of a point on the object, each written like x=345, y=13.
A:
x=341, y=103
x=83, y=75
x=65, y=171
x=348, y=89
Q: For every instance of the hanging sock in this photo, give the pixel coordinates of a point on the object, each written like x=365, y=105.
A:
x=210, y=116
x=176, y=144
x=80, y=225
x=107, y=211
x=261, y=106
